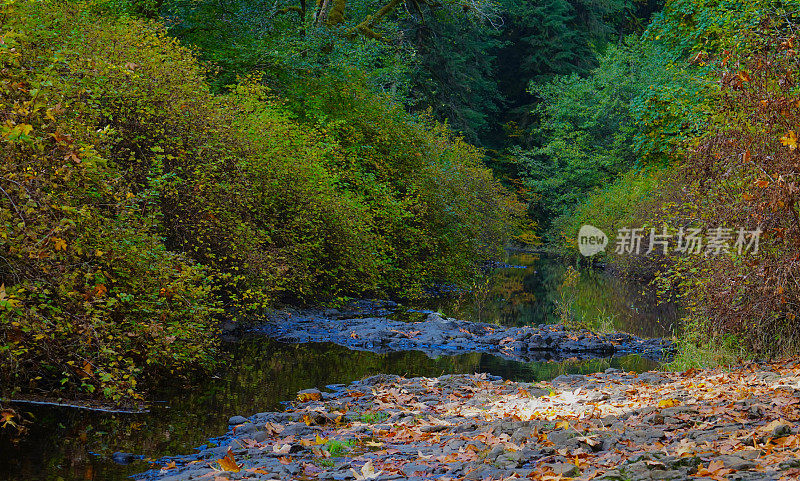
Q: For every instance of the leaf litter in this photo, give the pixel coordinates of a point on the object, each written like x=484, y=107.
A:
x=700, y=424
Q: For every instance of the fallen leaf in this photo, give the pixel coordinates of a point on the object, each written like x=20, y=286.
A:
x=367, y=472
x=228, y=463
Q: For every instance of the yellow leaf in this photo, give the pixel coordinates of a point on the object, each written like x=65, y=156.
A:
x=309, y=396
x=562, y=425
x=228, y=463
x=60, y=244
x=667, y=403
x=790, y=140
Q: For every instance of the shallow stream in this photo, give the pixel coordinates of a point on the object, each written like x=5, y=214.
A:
x=72, y=444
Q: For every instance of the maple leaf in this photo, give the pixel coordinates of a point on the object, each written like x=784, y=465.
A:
x=790, y=140
x=7, y=417
x=228, y=463
x=60, y=244
x=667, y=403
x=285, y=460
x=715, y=470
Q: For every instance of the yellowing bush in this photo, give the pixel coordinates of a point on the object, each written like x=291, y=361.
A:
x=138, y=208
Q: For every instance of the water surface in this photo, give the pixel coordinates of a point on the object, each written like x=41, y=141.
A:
x=69, y=444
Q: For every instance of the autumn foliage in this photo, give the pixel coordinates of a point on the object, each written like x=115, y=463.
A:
x=743, y=172
x=138, y=208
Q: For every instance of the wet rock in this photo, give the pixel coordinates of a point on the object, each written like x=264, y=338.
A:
x=781, y=430
x=736, y=463
x=568, y=470
x=444, y=336
x=509, y=460
x=125, y=458
x=612, y=475
x=563, y=438
x=461, y=426
x=237, y=420
x=789, y=464
x=655, y=418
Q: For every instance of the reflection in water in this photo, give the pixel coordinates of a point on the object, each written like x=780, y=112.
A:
x=526, y=293
x=68, y=444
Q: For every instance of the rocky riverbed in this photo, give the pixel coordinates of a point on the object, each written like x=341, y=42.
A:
x=367, y=326
x=708, y=425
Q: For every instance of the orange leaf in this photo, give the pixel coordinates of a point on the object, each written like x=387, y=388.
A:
x=228, y=463
x=60, y=244
x=87, y=368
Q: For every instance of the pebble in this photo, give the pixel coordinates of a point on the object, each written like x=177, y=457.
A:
x=470, y=433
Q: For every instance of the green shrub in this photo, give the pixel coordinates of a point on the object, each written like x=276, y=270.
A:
x=138, y=207
x=91, y=298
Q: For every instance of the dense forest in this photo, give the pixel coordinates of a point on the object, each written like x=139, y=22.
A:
x=170, y=164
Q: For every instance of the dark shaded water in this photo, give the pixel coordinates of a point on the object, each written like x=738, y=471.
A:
x=69, y=444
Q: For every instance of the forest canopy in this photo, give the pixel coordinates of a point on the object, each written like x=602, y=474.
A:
x=169, y=165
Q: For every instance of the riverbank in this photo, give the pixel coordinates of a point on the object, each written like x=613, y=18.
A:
x=713, y=424
x=370, y=326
